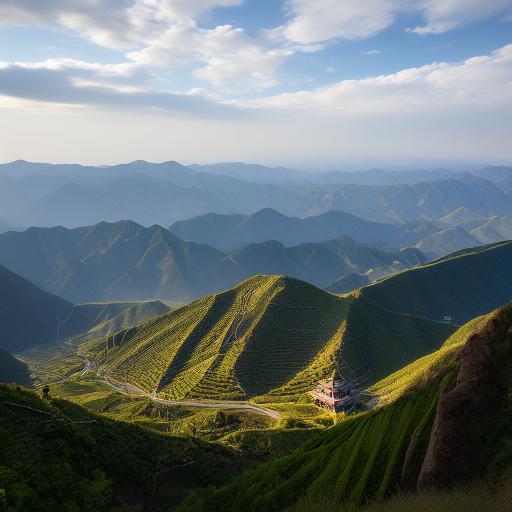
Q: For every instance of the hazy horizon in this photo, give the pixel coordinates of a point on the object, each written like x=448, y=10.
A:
x=312, y=168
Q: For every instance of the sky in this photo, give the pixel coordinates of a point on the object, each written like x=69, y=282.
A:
x=313, y=84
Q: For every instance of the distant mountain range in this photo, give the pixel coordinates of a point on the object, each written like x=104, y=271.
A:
x=460, y=229
x=404, y=203
x=280, y=175
x=74, y=195
x=227, y=232
x=126, y=261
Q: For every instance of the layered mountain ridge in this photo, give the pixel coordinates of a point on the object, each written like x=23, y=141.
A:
x=126, y=261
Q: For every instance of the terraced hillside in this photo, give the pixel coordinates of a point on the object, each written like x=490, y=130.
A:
x=460, y=390
x=239, y=343
x=271, y=336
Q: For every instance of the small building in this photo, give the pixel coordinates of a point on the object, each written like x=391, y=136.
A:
x=335, y=394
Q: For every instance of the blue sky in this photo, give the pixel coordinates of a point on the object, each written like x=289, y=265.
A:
x=227, y=69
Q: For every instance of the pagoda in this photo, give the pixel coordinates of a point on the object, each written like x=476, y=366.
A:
x=335, y=393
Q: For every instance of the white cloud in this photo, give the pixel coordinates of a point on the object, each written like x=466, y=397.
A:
x=110, y=23
x=77, y=83
x=371, y=52
x=323, y=20
x=444, y=15
x=232, y=60
x=164, y=33
x=479, y=82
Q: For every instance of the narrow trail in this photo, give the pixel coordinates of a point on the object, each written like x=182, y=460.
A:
x=128, y=389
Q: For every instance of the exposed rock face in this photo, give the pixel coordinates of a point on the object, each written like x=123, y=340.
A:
x=463, y=413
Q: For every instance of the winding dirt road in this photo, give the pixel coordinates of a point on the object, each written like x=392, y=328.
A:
x=128, y=389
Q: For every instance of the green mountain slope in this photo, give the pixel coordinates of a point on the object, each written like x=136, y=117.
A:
x=93, y=320
x=239, y=343
x=462, y=285
x=58, y=359
x=348, y=283
x=121, y=261
x=29, y=316
x=270, y=336
x=456, y=395
x=447, y=241
x=12, y=369
x=57, y=456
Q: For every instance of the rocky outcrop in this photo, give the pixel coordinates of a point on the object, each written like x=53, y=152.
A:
x=464, y=414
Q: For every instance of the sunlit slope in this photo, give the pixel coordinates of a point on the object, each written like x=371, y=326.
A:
x=381, y=452
x=270, y=337
x=235, y=344
x=463, y=286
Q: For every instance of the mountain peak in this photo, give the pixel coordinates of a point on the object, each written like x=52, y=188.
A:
x=268, y=212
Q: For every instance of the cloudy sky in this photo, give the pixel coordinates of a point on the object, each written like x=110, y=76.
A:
x=307, y=83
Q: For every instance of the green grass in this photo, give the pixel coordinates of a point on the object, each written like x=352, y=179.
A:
x=425, y=368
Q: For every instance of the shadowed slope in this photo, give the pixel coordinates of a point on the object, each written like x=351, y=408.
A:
x=13, y=370
x=28, y=316
x=462, y=285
